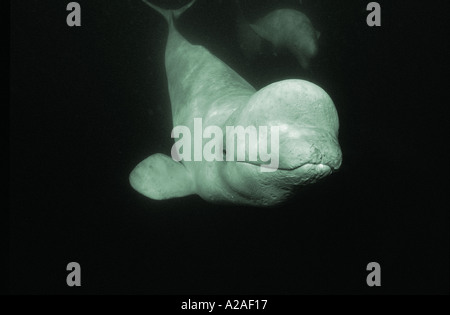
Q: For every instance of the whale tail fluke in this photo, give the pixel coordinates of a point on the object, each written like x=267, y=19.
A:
x=168, y=14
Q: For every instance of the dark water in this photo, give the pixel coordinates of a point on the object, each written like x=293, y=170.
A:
x=89, y=103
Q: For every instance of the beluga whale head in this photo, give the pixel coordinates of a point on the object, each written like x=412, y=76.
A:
x=234, y=144
x=307, y=123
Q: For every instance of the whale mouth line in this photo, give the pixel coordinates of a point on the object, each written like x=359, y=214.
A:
x=303, y=165
x=320, y=165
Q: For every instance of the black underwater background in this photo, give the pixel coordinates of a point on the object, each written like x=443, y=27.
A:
x=89, y=103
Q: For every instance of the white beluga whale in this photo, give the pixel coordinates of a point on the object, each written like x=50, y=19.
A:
x=286, y=29
x=203, y=89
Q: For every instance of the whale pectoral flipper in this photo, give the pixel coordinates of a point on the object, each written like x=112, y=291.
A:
x=160, y=177
x=259, y=31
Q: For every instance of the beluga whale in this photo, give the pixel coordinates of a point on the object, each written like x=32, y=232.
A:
x=287, y=30
x=208, y=99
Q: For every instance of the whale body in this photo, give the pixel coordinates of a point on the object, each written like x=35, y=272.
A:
x=202, y=86
x=284, y=29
